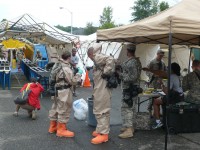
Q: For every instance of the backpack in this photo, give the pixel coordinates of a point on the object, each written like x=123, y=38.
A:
x=112, y=81
x=56, y=68
x=52, y=77
x=22, y=98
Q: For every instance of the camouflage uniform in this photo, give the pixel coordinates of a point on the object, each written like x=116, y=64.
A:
x=62, y=102
x=102, y=95
x=155, y=65
x=130, y=75
x=191, y=83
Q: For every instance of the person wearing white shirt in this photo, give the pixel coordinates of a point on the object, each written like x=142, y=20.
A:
x=74, y=63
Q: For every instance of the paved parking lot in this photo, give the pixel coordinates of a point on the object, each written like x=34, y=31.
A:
x=22, y=133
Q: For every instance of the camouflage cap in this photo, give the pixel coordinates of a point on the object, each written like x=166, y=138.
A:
x=131, y=47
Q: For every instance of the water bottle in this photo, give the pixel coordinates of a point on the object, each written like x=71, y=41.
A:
x=145, y=87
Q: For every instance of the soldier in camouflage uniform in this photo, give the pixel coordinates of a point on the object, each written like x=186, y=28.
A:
x=131, y=70
x=62, y=101
x=156, y=64
x=191, y=83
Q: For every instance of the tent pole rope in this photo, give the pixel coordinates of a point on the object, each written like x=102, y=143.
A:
x=107, y=47
x=114, y=48
x=15, y=23
x=51, y=28
x=31, y=24
x=118, y=49
x=81, y=55
x=58, y=33
x=81, y=58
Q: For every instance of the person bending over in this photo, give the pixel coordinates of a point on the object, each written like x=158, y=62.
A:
x=33, y=103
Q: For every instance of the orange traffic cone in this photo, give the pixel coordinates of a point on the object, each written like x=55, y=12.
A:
x=87, y=81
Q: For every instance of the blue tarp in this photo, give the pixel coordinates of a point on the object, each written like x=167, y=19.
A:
x=43, y=51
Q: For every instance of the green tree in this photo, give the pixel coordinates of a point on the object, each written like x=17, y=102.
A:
x=106, y=18
x=66, y=29
x=163, y=5
x=89, y=29
x=141, y=9
x=146, y=8
x=154, y=7
x=76, y=30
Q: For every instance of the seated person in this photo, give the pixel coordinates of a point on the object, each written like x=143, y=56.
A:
x=33, y=102
x=38, y=56
x=20, y=55
x=176, y=90
x=191, y=83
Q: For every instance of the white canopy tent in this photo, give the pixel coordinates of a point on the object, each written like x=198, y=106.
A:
x=182, y=21
x=37, y=31
x=146, y=52
x=27, y=27
x=178, y=25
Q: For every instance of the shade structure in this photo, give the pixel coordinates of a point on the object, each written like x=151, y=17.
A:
x=182, y=21
x=178, y=25
x=26, y=26
x=13, y=44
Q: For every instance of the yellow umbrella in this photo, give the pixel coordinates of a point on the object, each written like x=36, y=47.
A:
x=11, y=43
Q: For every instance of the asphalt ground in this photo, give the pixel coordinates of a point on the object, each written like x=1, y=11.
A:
x=22, y=133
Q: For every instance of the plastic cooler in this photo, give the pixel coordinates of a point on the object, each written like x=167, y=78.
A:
x=183, y=118
x=7, y=79
x=2, y=77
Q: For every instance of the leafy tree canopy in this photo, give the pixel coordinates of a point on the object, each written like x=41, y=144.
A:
x=89, y=29
x=163, y=5
x=106, y=18
x=146, y=8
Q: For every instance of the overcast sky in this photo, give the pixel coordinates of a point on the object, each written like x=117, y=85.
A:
x=83, y=10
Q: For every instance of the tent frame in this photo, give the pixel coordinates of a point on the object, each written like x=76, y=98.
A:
x=26, y=26
x=170, y=43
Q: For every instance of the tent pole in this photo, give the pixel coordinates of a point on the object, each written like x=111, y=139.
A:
x=168, y=88
x=189, y=59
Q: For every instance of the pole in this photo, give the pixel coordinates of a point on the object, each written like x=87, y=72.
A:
x=71, y=18
x=189, y=59
x=71, y=22
x=168, y=87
